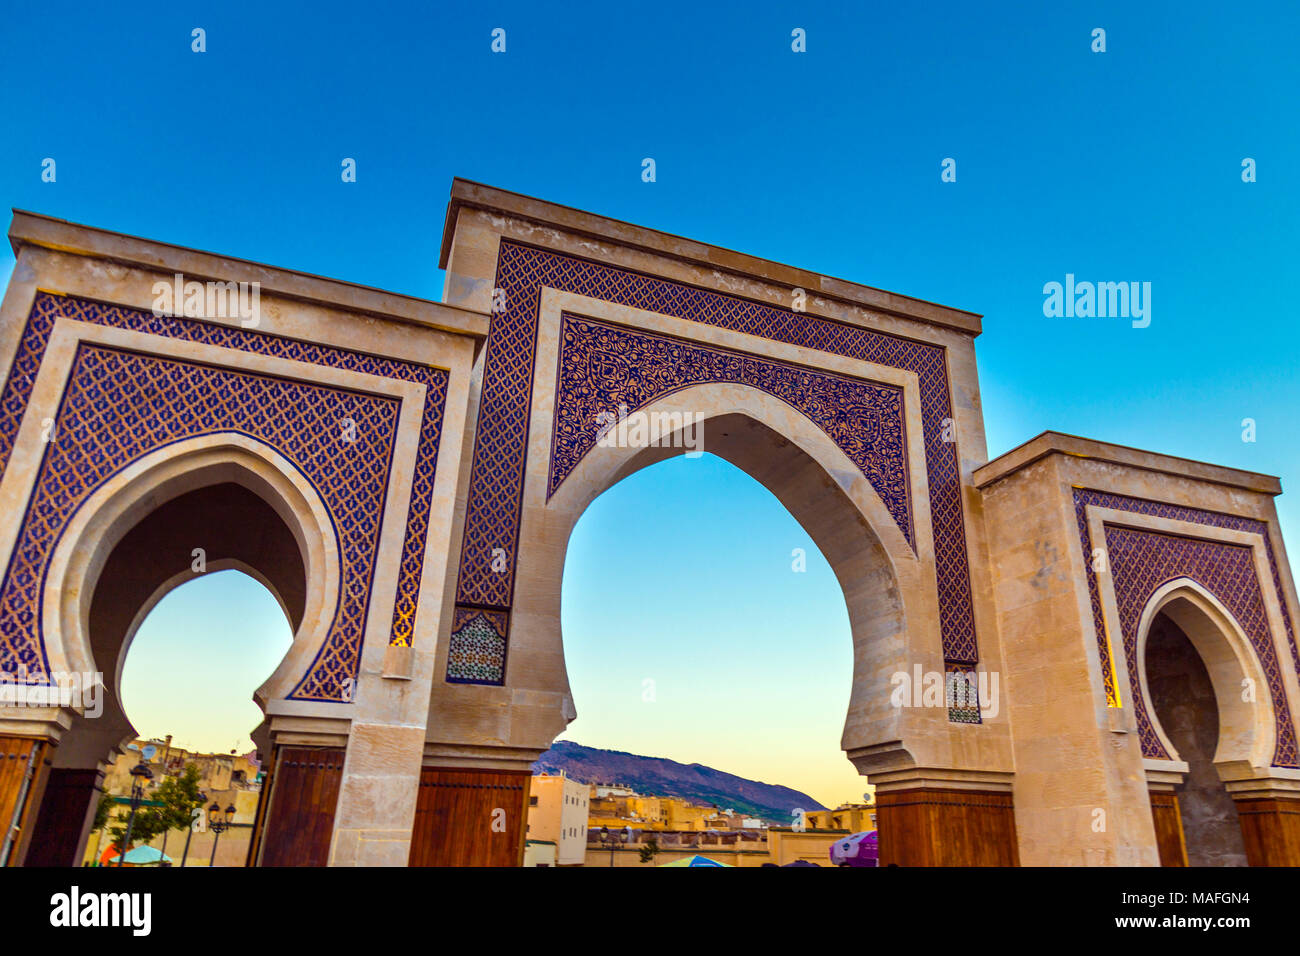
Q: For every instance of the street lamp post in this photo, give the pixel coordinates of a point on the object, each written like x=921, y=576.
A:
x=140, y=777
x=219, y=825
x=190, y=832
x=612, y=840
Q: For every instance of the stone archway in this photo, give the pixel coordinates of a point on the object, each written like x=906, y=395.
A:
x=813, y=480
x=858, y=412
x=827, y=494
x=453, y=446
x=1247, y=721
x=1183, y=703
x=193, y=507
x=1200, y=679
x=313, y=442
x=134, y=529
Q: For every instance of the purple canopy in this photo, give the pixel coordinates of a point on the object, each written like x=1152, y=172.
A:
x=860, y=849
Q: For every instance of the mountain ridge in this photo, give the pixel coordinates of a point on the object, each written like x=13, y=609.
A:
x=659, y=776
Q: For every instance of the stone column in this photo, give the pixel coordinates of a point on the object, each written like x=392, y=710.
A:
x=1268, y=808
x=946, y=818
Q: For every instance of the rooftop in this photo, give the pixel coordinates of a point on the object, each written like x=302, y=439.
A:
x=471, y=195
x=60, y=235
x=1056, y=443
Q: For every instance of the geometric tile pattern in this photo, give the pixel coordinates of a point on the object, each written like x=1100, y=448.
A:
x=496, y=480
x=120, y=406
x=604, y=366
x=191, y=399
x=479, y=652
x=1141, y=561
x=961, y=692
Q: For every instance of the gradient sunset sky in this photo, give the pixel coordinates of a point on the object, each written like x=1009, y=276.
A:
x=1116, y=166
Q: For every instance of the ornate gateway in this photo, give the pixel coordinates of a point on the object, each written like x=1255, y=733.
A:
x=404, y=476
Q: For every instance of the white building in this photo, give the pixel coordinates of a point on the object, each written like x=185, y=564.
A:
x=557, y=812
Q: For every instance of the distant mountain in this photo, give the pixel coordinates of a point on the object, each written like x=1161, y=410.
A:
x=668, y=778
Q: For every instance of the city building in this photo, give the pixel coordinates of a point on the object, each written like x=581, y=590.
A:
x=557, y=814
x=540, y=853
x=224, y=779
x=620, y=806
x=853, y=817
x=775, y=845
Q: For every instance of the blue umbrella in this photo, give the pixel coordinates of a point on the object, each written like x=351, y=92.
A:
x=694, y=860
x=142, y=856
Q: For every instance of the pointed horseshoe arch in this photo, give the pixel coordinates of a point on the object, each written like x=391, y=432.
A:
x=122, y=504
x=812, y=478
x=1247, y=724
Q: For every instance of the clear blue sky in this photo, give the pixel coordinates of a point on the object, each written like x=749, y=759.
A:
x=1117, y=166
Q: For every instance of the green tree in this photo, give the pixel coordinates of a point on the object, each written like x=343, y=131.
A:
x=649, y=850
x=103, y=810
x=175, y=800
x=180, y=797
